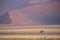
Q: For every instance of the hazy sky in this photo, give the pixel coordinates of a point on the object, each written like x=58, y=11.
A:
x=6, y=5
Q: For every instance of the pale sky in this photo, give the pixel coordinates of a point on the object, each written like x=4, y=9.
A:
x=6, y=5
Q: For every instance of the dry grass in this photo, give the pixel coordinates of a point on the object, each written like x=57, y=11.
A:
x=29, y=38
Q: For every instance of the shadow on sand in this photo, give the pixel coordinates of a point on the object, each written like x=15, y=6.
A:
x=5, y=19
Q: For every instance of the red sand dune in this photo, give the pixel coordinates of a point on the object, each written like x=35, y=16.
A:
x=18, y=16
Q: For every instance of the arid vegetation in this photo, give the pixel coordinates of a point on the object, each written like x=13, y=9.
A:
x=29, y=38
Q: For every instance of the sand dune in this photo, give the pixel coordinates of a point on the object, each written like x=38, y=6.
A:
x=47, y=13
x=32, y=14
